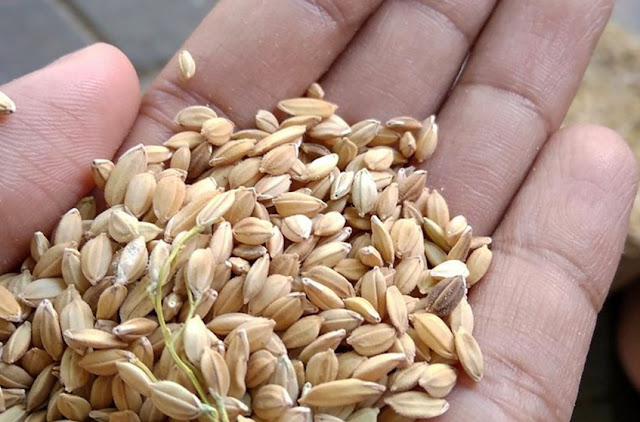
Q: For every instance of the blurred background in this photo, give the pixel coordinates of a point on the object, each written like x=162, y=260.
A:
x=36, y=32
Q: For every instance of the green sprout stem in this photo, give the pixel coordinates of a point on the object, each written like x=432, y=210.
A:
x=137, y=362
x=220, y=405
x=192, y=303
x=163, y=276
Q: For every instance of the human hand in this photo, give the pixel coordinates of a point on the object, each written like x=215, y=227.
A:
x=556, y=202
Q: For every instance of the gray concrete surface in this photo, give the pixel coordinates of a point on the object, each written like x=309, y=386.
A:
x=35, y=32
x=627, y=14
x=148, y=31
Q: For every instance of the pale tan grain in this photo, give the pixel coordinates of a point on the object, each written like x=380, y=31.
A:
x=186, y=65
x=7, y=106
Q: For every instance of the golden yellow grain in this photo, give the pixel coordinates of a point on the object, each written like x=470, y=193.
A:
x=469, y=354
x=415, y=405
x=435, y=333
x=341, y=392
x=193, y=117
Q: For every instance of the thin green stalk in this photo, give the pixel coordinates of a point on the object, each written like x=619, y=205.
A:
x=203, y=395
x=137, y=362
x=166, y=333
x=192, y=303
x=220, y=405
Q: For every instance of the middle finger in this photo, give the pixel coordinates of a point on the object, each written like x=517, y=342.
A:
x=250, y=54
x=405, y=58
x=512, y=93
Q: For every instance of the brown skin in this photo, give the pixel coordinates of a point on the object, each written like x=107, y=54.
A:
x=557, y=202
x=78, y=108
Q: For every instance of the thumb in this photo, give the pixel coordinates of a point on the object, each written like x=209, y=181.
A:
x=78, y=108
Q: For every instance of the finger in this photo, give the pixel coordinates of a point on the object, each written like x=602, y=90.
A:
x=68, y=113
x=629, y=334
x=513, y=93
x=555, y=255
x=249, y=55
x=404, y=60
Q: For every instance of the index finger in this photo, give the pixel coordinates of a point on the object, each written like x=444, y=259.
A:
x=249, y=55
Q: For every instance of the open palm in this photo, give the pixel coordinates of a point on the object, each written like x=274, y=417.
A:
x=556, y=202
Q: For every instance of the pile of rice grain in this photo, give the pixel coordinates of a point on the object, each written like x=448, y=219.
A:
x=296, y=271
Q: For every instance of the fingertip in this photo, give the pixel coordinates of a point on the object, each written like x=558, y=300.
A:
x=595, y=177
x=114, y=62
x=601, y=153
x=94, y=88
x=601, y=148
x=117, y=80
x=78, y=108
x=104, y=72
